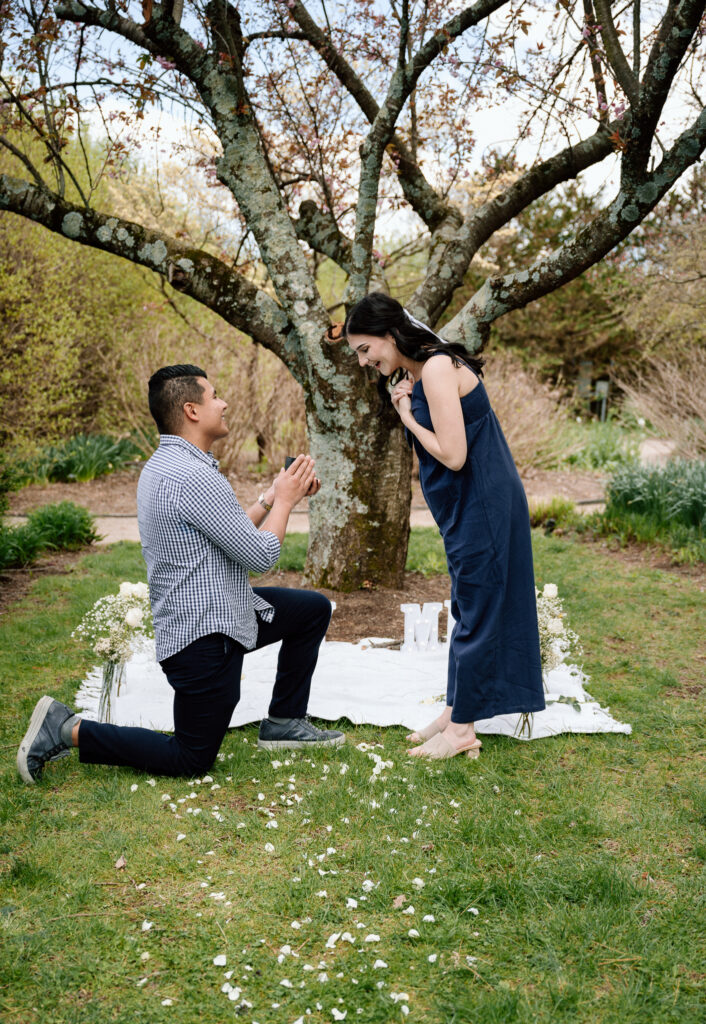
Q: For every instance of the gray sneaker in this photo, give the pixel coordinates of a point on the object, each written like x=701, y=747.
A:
x=297, y=733
x=42, y=742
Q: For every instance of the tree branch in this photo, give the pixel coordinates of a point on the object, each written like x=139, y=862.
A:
x=423, y=199
x=675, y=33
x=402, y=83
x=201, y=276
x=434, y=294
x=243, y=167
x=614, y=53
x=499, y=295
x=596, y=64
x=321, y=233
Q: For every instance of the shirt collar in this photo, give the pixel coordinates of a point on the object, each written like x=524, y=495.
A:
x=176, y=441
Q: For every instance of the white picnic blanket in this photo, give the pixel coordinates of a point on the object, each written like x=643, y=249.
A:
x=360, y=682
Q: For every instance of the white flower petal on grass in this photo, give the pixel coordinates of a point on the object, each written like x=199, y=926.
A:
x=429, y=918
x=295, y=925
x=322, y=893
x=405, y=1009
x=220, y=960
x=472, y=910
x=271, y=823
x=151, y=782
x=146, y=925
x=413, y=933
x=408, y=910
x=418, y=883
x=347, y=937
x=337, y=1014
x=286, y=983
x=269, y=848
x=166, y=1002
x=351, y=903
x=141, y=982
x=332, y=940
x=180, y=837
x=433, y=957
x=133, y=787
x=378, y=964
x=399, y=997
x=367, y=885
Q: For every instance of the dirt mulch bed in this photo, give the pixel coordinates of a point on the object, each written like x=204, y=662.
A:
x=373, y=612
x=358, y=615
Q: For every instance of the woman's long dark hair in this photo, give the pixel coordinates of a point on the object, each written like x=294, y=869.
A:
x=378, y=314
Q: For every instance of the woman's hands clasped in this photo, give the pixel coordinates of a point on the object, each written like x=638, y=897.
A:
x=401, y=396
x=297, y=482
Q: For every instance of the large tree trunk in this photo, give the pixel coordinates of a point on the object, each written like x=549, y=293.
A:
x=359, y=521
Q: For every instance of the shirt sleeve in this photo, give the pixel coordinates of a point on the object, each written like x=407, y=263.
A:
x=209, y=504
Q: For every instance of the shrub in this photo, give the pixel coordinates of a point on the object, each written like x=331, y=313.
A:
x=675, y=493
x=557, y=512
x=9, y=481
x=63, y=525
x=83, y=457
x=665, y=505
x=604, y=446
x=19, y=546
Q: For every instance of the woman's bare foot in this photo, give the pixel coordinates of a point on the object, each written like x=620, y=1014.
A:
x=438, y=725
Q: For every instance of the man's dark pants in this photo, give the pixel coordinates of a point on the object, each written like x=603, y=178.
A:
x=205, y=677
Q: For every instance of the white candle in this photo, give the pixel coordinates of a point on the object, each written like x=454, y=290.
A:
x=411, y=613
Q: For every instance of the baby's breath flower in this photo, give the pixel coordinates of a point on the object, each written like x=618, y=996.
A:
x=118, y=625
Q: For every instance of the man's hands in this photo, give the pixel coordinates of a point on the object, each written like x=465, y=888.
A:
x=295, y=483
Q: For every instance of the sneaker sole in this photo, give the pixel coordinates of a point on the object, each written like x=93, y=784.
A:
x=35, y=724
x=299, y=744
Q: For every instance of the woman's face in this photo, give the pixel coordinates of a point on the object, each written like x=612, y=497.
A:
x=380, y=353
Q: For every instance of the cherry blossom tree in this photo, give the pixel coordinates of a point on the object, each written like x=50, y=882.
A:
x=323, y=126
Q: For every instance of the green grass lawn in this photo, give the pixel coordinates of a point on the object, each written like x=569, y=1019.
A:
x=560, y=880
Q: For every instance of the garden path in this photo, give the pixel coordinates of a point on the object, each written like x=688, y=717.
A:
x=112, y=499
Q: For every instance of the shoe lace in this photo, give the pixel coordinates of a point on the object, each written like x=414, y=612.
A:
x=48, y=754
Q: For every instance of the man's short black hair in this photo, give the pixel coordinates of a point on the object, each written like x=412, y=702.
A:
x=169, y=388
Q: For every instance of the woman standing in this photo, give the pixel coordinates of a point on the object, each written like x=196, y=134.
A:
x=474, y=492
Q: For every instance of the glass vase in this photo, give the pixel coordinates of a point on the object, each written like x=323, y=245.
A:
x=113, y=676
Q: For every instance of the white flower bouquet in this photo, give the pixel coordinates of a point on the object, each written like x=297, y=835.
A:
x=556, y=640
x=117, y=626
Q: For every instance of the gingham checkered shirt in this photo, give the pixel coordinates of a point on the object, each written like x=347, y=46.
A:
x=199, y=546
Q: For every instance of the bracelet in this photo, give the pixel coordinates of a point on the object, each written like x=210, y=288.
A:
x=264, y=504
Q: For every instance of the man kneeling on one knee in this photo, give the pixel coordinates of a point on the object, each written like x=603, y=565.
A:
x=199, y=545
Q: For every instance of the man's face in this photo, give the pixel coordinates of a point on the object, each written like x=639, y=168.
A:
x=211, y=411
